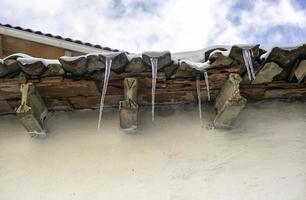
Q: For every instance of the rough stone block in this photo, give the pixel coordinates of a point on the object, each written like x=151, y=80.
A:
x=129, y=107
x=94, y=63
x=136, y=65
x=119, y=61
x=54, y=70
x=74, y=65
x=267, y=73
x=229, y=103
x=300, y=72
x=219, y=60
x=33, y=69
x=8, y=66
x=32, y=110
x=164, y=58
x=184, y=71
x=128, y=115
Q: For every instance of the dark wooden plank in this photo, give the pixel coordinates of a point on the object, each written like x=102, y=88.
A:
x=5, y=107
x=10, y=88
x=285, y=93
x=67, y=88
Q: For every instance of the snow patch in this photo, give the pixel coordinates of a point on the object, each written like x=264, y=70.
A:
x=224, y=53
x=196, y=56
x=46, y=62
x=112, y=54
x=71, y=58
x=131, y=56
x=155, y=54
x=265, y=55
x=269, y=50
x=25, y=59
x=196, y=65
x=17, y=55
x=105, y=54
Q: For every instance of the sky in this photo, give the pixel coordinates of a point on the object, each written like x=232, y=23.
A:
x=175, y=25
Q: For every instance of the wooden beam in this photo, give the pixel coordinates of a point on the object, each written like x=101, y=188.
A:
x=128, y=109
x=5, y=107
x=32, y=110
x=1, y=47
x=70, y=93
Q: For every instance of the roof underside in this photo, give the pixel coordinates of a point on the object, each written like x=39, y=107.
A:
x=52, y=40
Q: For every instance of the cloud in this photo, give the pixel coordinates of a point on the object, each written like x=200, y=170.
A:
x=176, y=25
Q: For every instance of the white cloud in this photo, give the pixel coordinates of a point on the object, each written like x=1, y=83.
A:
x=175, y=25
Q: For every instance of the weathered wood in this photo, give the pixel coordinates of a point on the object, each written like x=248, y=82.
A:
x=58, y=104
x=253, y=93
x=32, y=110
x=273, y=90
x=5, y=108
x=59, y=87
x=82, y=94
x=13, y=45
x=229, y=103
x=14, y=104
x=10, y=88
x=1, y=47
x=128, y=109
x=285, y=93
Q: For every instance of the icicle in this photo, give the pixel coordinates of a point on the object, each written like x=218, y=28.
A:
x=108, y=64
x=207, y=85
x=246, y=63
x=199, y=97
x=154, y=62
x=250, y=55
x=247, y=57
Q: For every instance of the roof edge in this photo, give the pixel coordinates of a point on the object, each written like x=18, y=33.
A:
x=21, y=34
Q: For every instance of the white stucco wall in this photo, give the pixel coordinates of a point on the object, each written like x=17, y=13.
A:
x=174, y=158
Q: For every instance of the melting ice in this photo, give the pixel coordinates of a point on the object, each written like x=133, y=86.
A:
x=154, y=62
x=247, y=57
x=199, y=97
x=207, y=85
x=108, y=64
x=201, y=67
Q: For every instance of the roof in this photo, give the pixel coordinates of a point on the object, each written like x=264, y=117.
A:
x=58, y=37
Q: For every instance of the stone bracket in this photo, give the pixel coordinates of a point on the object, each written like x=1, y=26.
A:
x=128, y=109
x=229, y=103
x=32, y=110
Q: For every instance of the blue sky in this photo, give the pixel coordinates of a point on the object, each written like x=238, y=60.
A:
x=176, y=25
